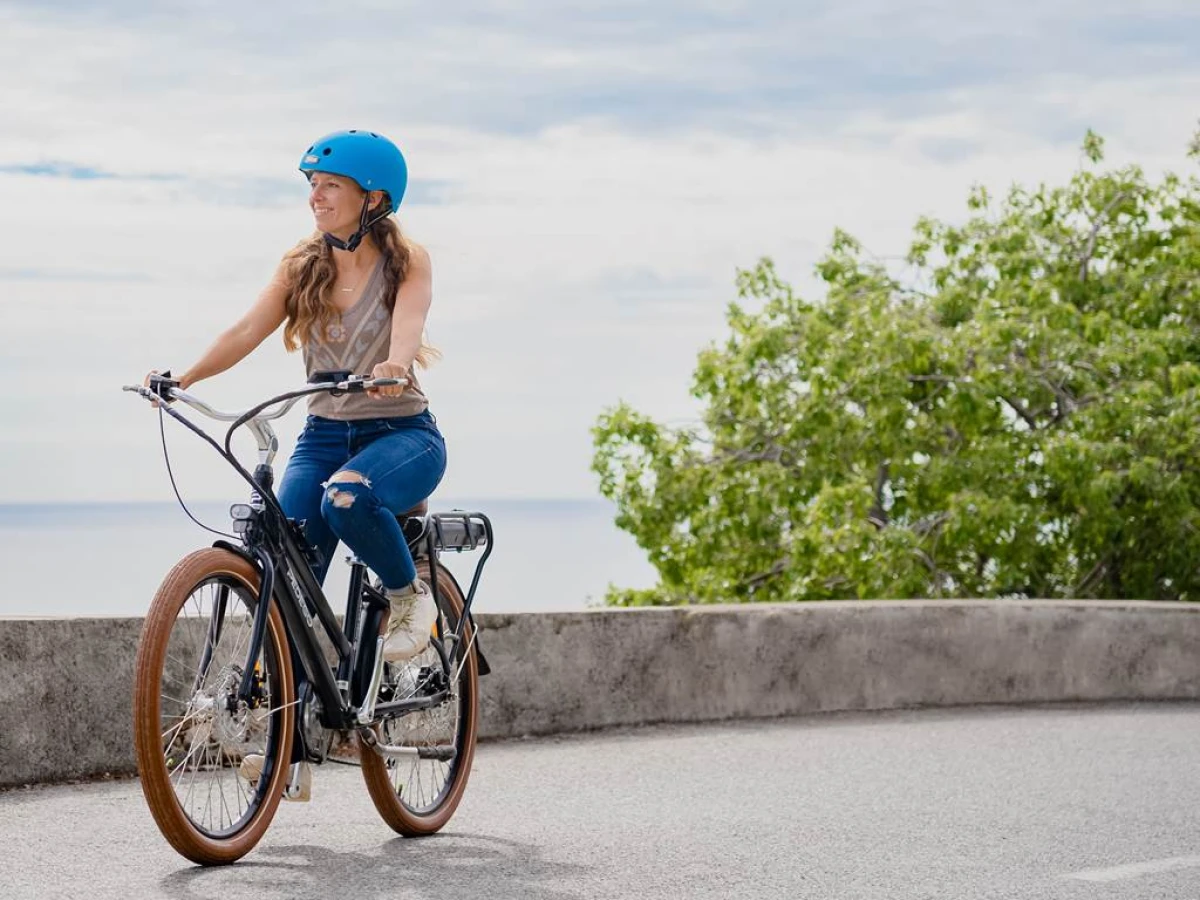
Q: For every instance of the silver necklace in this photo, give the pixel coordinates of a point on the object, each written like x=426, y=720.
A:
x=353, y=286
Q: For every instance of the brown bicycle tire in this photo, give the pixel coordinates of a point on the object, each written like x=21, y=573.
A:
x=383, y=794
x=179, y=584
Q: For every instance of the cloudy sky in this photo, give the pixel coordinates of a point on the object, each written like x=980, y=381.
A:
x=588, y=178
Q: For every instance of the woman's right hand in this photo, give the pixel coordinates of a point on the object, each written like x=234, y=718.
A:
x=155, y=372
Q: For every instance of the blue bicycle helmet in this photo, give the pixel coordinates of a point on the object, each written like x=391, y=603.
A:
x=373, y=161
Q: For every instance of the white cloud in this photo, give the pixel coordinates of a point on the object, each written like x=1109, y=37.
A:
x=589, y=232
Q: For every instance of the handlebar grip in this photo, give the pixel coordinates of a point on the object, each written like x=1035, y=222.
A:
x=162, y=383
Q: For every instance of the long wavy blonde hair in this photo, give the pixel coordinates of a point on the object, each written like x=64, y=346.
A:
x=311, y=273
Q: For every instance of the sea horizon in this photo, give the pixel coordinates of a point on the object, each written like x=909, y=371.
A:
x=550, y=553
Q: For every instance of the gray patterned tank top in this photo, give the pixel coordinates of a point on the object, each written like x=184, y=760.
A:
x=359, y=339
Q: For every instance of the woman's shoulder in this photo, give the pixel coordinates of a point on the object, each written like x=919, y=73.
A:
x=418, y=255
x=297, y=257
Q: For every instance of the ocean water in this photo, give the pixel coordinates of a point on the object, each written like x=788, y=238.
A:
x=108, y=559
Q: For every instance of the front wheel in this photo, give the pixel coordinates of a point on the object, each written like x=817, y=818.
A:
x=418, y=791
x=191, y=732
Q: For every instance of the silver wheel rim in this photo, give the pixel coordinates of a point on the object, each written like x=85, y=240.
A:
x=204, y=740
x=421, y=784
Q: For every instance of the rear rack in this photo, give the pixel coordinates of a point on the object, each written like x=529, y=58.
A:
x=459, y=531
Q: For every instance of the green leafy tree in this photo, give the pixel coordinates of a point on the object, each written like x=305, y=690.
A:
x=1018, y=416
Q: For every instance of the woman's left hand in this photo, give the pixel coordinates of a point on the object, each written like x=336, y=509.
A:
x=388, y=369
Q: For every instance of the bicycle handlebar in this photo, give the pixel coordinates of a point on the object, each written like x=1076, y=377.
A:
x=255, y=418
x=200, y=406
x=355, y=384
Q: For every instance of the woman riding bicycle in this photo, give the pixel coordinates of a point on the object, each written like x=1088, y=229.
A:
x=355, y=296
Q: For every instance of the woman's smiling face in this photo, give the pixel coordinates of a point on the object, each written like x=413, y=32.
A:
x=336, y=202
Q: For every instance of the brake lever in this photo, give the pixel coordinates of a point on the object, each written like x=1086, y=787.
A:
x=161, y=385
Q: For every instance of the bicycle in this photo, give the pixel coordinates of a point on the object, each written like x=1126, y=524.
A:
x=241, y=654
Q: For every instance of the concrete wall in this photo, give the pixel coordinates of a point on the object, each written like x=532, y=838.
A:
x=65, y=684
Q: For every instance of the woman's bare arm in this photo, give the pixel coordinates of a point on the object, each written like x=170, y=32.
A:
x=235, y=343
x=412, y=309
x=413, y=300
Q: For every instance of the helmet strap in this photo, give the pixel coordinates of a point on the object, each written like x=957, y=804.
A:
x=351, y=243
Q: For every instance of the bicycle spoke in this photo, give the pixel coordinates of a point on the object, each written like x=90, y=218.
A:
x=225, y=814
x=190, y=716
x=206, y=733
x=419, y=782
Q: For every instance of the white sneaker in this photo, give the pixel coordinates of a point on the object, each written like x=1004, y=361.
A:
x=414, y=613
x=252, y=766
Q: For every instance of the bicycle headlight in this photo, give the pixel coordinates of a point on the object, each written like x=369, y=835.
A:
x=242, y=514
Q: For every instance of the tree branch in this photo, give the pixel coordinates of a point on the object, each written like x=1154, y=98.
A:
x=932, y=566
x=1021, y=411
x=953, y=435
x=930, y=523
x=772, y=453
x=1096, y=225
x=1091, y=577
x=878, y=515
x=1065, y=402
x=755, y=580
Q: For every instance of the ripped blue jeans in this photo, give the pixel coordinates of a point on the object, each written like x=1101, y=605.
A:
x=401, y=461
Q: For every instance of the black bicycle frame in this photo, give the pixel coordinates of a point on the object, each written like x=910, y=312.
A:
x=287, y=578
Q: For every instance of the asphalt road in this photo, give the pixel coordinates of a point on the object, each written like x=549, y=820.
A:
x=1054, y=802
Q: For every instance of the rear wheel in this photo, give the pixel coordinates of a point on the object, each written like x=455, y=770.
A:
x=191, y=733
x=416, y=793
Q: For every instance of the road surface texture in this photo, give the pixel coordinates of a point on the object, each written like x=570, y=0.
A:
x=1047, y=802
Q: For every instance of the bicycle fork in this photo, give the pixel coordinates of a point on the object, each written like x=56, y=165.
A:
x=265, y=589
